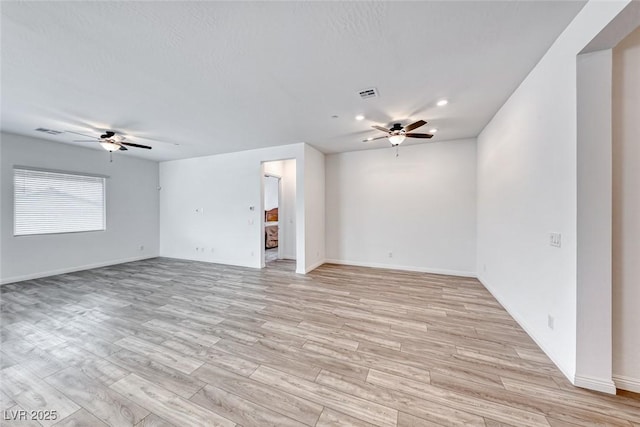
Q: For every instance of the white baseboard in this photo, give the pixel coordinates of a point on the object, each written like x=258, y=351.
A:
x=314, y=266
x=56, y=272
x=597, y=384
x=627, y=383
x=403, y=268
x=567, y=373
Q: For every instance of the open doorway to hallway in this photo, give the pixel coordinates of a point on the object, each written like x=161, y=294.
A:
x=271, y=216
x=279, y=214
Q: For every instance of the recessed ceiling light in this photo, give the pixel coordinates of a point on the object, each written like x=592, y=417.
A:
x=442, y=102
x=359, y=117
x=434, y=130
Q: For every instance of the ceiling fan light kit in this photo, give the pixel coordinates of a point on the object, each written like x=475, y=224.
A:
x=110, y=146
x=396, y=139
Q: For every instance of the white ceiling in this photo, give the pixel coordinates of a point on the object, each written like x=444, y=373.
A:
x=217, y=77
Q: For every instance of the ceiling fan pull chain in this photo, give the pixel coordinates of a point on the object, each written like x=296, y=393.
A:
x=397, y=150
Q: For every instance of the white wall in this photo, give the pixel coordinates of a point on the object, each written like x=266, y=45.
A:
x=222, y=188
x=314, y=207
x=132, y=211
x=527, y=188
x=626, y=213
x=289, y=209
x=271, y=192
x=593, y=335
x=420, y=206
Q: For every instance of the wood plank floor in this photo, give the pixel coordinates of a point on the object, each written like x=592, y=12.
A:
x=166, y=342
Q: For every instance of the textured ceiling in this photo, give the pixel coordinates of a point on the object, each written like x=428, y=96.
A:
x=217, y=77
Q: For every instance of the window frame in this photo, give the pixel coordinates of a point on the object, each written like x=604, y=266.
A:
x=61, y=172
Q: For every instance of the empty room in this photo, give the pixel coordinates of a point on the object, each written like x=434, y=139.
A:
x=320, y=213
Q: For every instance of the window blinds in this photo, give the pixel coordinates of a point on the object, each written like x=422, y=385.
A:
x=56, y=202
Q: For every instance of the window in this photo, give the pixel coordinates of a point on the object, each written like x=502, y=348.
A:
x=48, y=202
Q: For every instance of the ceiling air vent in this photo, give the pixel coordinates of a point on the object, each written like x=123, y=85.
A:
x=49, y=131
x=371, y=92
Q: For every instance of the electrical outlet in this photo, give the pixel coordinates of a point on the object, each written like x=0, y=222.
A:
x=550, y=321
x=142, y=247
x=390, y=254
x=555, y=239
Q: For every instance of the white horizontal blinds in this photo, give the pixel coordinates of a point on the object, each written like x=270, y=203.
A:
x=53, y=202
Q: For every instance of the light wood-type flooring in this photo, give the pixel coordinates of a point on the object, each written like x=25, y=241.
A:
x=271, y=255
x=166, y=342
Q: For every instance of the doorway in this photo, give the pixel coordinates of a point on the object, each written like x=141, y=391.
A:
x=272, y=251
x=279, y=214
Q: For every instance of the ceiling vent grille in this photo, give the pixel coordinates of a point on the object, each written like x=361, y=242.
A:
x=49, y=131
x=371, y=92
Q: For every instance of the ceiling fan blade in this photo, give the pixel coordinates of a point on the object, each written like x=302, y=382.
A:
x=81, y=134
x=85, y=140
x=373, y=139
x=416, y=125
x=123, y=148
x=131, y=144
x=418, y=135
x=380, y=128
